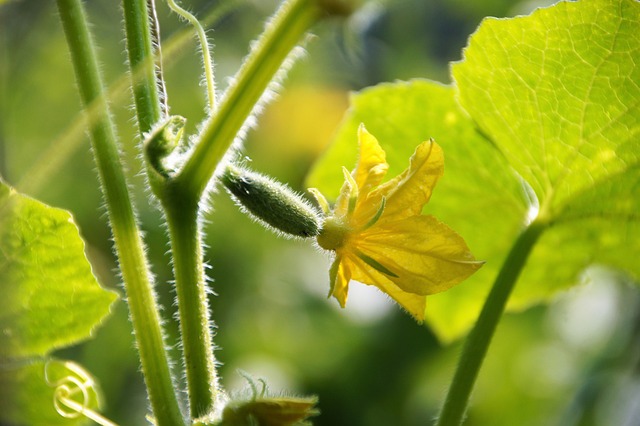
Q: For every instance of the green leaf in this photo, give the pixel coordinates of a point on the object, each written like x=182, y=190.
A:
x=49, y=297
x=479, y=196
x=27, y=393
x=558, y=93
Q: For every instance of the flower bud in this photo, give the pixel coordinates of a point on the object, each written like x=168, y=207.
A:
x=281, y=411
x=161, y=143
x=272, y=203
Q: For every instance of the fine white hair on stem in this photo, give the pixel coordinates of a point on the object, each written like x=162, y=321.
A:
x=157, y=50
x=269, y=95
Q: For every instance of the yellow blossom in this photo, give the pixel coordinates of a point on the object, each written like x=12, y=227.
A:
x=380, y=237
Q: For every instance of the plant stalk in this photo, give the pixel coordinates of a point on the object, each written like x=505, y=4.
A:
x=181, y=195
x=477, y=343
x=195, y=325
x=140, y=38
x=282, y=34
x=128, y=242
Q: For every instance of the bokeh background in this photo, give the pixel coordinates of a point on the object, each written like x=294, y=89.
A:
x=574, y=362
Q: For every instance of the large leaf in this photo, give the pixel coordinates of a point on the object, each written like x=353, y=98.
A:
x=558, y=92
x=49, y=297
x=479, y=196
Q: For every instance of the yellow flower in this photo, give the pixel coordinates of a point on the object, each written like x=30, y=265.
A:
x=380, y=237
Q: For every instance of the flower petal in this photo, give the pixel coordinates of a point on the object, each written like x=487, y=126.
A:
x=408, y=192
x=340, y=275
x=415, y=304
x=372, y=164
x=369, y=172
x=426, y=255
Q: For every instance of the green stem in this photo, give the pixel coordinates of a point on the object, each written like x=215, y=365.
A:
x=195, y=325
x=138, y=28
x=181, y=195
x=478, y=341
x=129, y=245
x=289, y=24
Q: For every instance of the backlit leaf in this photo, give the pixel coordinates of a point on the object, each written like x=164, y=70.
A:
x=49, y=297
x=558, y=92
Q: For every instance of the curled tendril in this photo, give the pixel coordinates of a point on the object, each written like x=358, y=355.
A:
x=76, y=384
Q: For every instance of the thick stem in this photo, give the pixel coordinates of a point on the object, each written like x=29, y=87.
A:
x=478, y=341
x=195, y=325
x=129, y=246
x=181, y=196
x=138, y=28
x=289, y=24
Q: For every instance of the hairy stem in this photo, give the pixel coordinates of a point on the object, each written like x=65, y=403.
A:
x=129, y=246
x=289, y=24
x=138, y=15
x=478, y=341
x=195, y=325
x=181, y=195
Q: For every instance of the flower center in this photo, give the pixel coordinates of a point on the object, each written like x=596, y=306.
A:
x=333, y=234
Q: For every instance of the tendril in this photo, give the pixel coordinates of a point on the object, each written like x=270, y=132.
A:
x=206, y=54
x=77, y=383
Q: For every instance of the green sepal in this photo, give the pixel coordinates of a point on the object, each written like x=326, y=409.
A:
x=272, y=203
x=333, y=274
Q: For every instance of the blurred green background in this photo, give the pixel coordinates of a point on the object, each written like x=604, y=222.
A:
x=572, y=363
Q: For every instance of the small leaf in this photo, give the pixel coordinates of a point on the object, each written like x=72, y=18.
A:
x=49, y=297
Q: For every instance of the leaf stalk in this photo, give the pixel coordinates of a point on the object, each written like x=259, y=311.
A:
x=271, y=50
x=477, y=343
